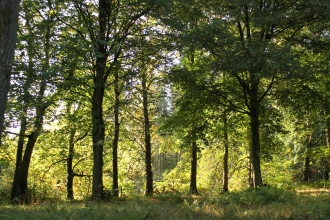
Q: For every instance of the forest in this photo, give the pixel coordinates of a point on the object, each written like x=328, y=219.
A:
x=181, y=102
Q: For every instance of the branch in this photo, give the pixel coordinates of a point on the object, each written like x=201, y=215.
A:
x=231, y=104
x=269, y=87
x=80, y=138
x=21, y=135
x=245, y=89
x=82, y=159
x=53, y=165
x=82, y=175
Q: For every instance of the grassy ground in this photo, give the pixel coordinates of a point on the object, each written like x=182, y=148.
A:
x=249, y=204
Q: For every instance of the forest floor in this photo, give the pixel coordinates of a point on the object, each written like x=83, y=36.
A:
x=248, y=204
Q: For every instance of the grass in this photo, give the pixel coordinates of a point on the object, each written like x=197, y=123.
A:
x=249, y=204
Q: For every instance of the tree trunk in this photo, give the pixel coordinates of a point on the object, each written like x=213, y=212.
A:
x=225, y=155
x=255, y=137
x=327, y=132
x=70, y=173
x=307, y=171
x=193, y=171
x=8, y=34
x=20, y=145
x=23, y=179
x=147, y=139
x=97, y=108
x=306, y=177
x=19, y=154
x=22, y=184
x=98, y=142
x=115, y=189
x=250, y=177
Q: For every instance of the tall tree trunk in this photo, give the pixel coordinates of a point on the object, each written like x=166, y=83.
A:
x=19, y=154
x=23, y=179
x=255, y=137
x=309, y=144
x=193, y=167
x=97, y=108
x=250, y=177
x=8, y=34
x=327, y=132
x=163, y=162
x=147, y=138
x=115, y=189
x=20, y=145
x=98, y=141
x=193, y=164
x=22, y=185
x=70, y=172
x=306, y=177
x=225, y=155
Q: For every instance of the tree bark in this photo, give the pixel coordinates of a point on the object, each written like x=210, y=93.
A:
x=70, y=172
x=225, y=155
x=98, y=141
x=97, y=108
x=255, y=136
x=306, y=177
x=19, y=155
x=309, y=144
x=115, y=189
x=22, y=192
x=147, y=138
x=193, y=168
x=327, y=133
x=20, y=145
x=8, y=34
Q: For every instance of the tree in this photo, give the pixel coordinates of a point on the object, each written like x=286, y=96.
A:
x=8, y=32
x=117, y=92
x=39, y=77
x=252, y=44
x=226, y=152
x=106, y=34
x=147, y=136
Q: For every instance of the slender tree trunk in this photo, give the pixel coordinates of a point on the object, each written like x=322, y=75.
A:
x=250, y=178
x=306, y=177
x=193, y=164
x=225, y=155
x=163, y=162
x=70, y=172
x=147, y=138
x=327, y=132
x=8, y=34
x=115, y=189
x=193, y=171
x=97, y=108
x=255, y=137
x=309, y=144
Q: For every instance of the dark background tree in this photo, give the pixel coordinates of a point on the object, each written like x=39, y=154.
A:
x=8, y=33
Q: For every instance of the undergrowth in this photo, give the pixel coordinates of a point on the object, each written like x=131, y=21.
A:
x=262, y=203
